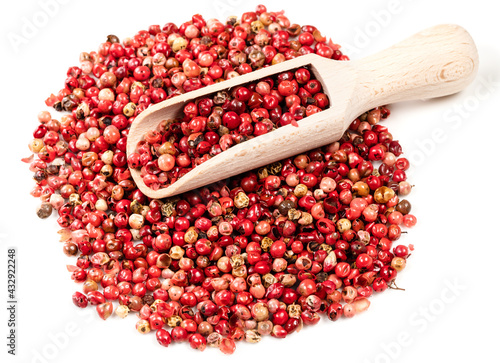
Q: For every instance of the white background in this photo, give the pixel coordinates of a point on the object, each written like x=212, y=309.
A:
x=451, y=296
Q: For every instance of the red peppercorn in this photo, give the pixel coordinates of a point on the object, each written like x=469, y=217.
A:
x=80, y=300
x=163, y=337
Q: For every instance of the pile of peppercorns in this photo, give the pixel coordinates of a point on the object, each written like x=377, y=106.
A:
x=212, y=124
x=263, y=253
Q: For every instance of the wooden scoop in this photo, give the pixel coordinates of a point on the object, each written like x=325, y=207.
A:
x=436, y=62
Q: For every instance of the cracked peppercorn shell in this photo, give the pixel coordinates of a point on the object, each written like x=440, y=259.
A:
x=383, y=194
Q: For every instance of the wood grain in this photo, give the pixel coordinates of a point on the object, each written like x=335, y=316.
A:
x=435, y=62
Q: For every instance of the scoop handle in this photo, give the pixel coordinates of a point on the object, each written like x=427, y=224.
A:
x=436, y=62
